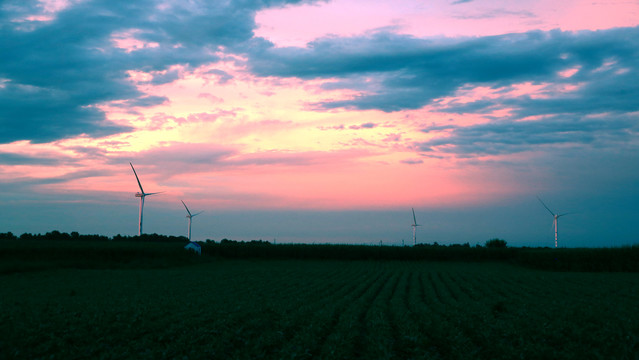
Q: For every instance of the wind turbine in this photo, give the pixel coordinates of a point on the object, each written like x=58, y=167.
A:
x=555, y=221
x=190, y=217
x=141, y=195
x=415, y=225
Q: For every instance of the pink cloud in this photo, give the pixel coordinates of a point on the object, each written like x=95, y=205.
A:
x=212, y=98
x=127, y=41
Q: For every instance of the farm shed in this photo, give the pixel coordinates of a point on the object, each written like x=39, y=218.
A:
x=193, y=246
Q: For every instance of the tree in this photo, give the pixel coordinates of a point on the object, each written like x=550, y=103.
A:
x=8, y=236
x=496, y=243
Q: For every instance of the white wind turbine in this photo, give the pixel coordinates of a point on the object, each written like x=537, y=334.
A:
x=415, y=225
x=141, y=195
x=555, y=221
x=190, y=217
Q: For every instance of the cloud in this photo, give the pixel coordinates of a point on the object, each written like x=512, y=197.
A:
x=368, y=125
x=210, y=157
x=183, y=153
x=29, y=184
x=143, y=101
x=336, y=127
x=17, y=159
x=507, y=137
x=166, y=77
x=412, y=161
x=432, y=128
x=392, y=138
x=54, y=69
x=212, y=98
x=596, y=104
x=495, y=13
x=394, y=72
x=222, y=76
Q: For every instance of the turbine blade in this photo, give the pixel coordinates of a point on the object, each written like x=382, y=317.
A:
x=568, y=213
x=136, y=178
x=542, y=203
x=414, y=218
x=159, y=192
x=197, y=213
x=187, y=209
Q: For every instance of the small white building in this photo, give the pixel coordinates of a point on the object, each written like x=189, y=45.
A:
x=193, y=246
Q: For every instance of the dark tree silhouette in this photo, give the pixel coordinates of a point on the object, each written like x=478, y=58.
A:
x=496, y=243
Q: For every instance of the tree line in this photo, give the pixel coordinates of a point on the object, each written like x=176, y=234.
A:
x=148, y=246
x=75, y=236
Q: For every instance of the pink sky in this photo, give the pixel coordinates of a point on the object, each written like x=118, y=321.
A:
x=299, y=25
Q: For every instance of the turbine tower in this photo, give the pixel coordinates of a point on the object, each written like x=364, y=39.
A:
x=555, y=221
x=415, y=225
x=190, y=217
x=141, y=195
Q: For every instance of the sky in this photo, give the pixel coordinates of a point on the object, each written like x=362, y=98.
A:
x=323, y=121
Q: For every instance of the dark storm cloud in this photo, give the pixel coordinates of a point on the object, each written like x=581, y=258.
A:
x=52, y=72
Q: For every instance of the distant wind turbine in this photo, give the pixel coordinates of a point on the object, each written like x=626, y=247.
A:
x=555, y=221
x=190, y=217
x=141, y=195
x=415, y=225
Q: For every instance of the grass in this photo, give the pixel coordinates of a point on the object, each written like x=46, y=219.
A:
x=169, y=305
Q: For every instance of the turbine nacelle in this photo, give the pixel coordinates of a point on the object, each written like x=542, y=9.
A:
x=141, y=195
x=190, y=216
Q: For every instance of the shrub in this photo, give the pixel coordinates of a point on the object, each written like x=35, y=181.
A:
x=496, y=243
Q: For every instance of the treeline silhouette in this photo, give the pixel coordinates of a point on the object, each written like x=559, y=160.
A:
x=260, y=249
x=576, y=259
x=56, y=250
x=152, y=250
x=75, y=236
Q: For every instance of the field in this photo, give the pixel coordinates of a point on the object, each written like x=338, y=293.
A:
x=332, y=309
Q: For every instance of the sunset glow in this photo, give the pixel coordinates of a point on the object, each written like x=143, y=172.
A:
x=320, y=106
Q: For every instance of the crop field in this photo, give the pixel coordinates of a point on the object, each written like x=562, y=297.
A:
x=294, y=309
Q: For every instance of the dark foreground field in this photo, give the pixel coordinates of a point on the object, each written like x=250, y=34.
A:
x=219, y=308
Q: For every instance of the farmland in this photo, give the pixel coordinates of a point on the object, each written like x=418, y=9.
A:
x=297, y=309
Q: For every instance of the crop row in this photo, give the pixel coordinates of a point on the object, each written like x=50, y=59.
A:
x=319, y=309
